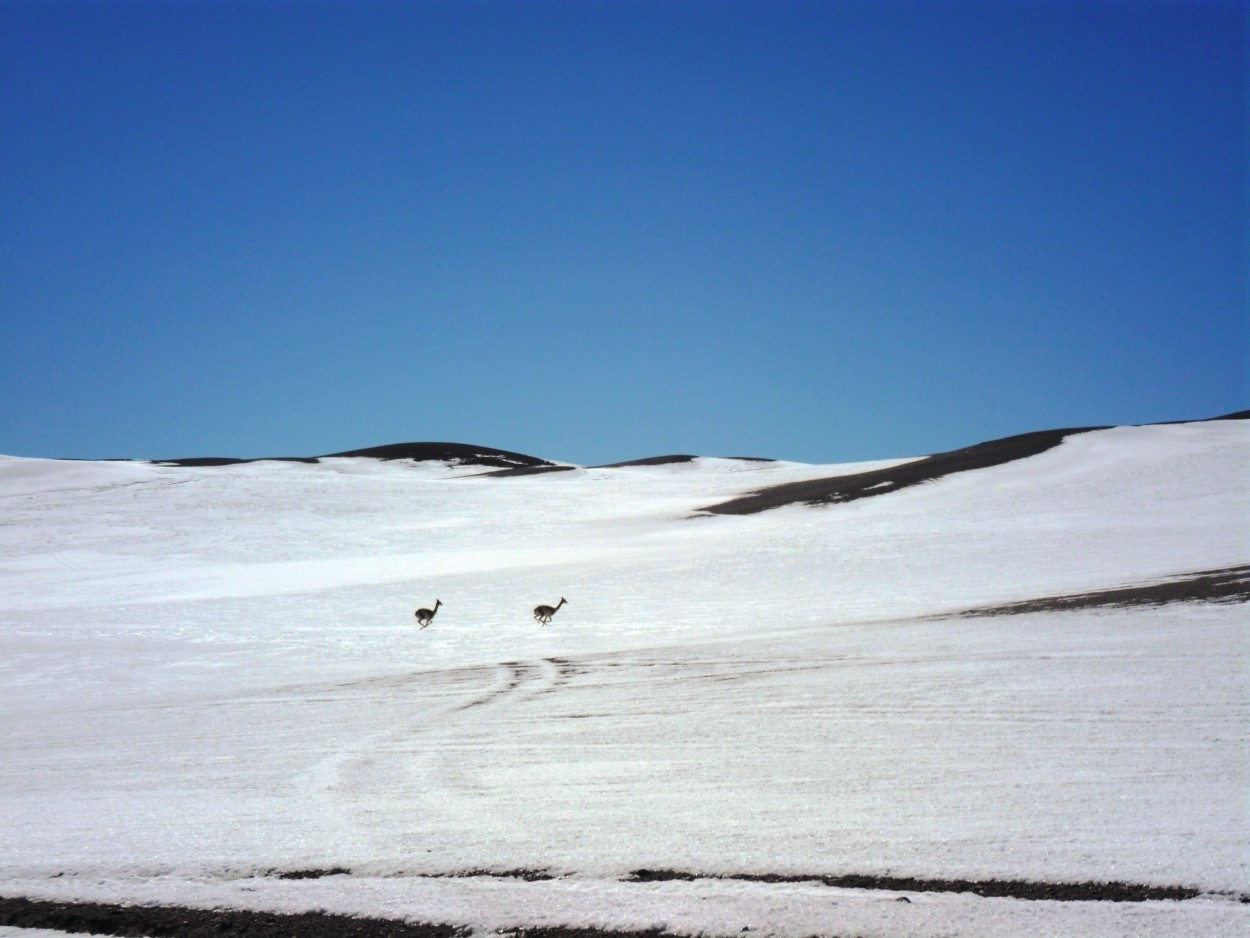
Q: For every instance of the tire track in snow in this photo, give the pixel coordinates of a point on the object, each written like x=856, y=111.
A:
x=426, y=759
x=522, y=680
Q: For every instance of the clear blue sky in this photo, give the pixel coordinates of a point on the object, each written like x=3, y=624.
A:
x=594, y=231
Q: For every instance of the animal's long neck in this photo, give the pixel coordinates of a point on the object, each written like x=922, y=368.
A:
x=561, y=602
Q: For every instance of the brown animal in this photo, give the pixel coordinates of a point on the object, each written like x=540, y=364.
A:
x=426, y=616
x=544, y=613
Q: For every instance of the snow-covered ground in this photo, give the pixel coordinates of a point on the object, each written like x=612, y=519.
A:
x=211, y=676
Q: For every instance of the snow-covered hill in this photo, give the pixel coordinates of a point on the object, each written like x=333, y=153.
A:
x=211, y=679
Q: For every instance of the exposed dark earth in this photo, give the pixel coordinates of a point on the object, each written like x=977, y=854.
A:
x=1225, y=585
x=463, y=453
x=162, y=921
x=169, y=921
x=523, y=471
x=673, y=460
x=848, y=488
x=812, y=492
x=1000, y=888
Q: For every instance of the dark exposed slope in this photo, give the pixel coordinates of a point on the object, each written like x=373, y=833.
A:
x=158, y=921
x=1226, y=586
x=99, y=918
x=651, y=461
x=1032, y=890
x=673, y=459
x=462, y=453
x=843, y=488
x=883, y=481
x=880, y=481
x=195, y=462
x=523, y=471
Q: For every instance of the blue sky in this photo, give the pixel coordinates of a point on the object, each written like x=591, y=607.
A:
x=594, y=231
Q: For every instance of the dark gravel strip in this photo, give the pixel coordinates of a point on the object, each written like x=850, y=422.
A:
x=150, y=921
x=520, y=471
x=1225, y=585
x=996, y=888
x=883, y=481
x=650, y=461
x=314, y=873
x=530, y=876
x=165, y=921
x=464, y=453
x=154, y=921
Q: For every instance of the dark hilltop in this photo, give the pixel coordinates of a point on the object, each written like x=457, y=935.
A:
x=461, y=453
x=833, y=490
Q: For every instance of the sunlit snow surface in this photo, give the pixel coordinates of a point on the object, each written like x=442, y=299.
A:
x=211, y=676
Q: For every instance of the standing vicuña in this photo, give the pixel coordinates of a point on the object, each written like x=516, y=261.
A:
x=544, y=613
x=426, y=616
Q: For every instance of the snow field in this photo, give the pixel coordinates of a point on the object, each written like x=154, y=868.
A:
x=208, y=674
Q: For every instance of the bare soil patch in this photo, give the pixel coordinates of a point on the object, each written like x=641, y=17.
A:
x=522, y=471
x=1223, y=585
x=997, y=888
x=462, y=453
x=161, y=921
x=883, y=481
x=311, y=873
x=674, y=459
x=150, y=921
x=181, y=922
